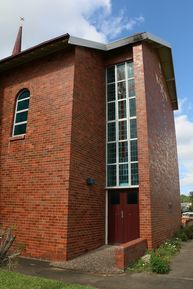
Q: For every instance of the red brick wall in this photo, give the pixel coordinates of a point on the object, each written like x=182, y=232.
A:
x=158, y=168
x=86, y=221
x=164, y=178
x=128, y=253
x=118, y=55
x=143, y=149
x=34, y=171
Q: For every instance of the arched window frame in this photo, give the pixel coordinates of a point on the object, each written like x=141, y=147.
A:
x=21, y=113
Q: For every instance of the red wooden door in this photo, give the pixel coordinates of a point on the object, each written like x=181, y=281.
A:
x=115, y=220
x=123, y=216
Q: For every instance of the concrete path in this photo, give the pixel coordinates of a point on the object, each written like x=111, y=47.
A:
x=181, y=276
x=101, y=260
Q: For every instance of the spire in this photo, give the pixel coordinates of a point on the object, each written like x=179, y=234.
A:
x=17, y=47
x=18, y=42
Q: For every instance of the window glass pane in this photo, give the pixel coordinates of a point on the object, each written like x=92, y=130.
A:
x=123, y=152
x=114, y=198
x=122, y=109
x=133, y=148
x=131, y=88
x=111, y=111
x=111, y=131
x=123, y=130
x=22, y=116
x=24, y=104
x=111, y=175
x=132, y=107
x=111, y=74
x=130, y=69
x=134, y=174
x=132, y=198
x=20, y=129
x=121, y=90
x=121, y=71
x=23, y=94
x=133, y=128
x=111, y=148
x=123, y=175
x=111, y=92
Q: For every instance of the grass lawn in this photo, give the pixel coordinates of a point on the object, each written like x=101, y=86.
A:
x=12, y=280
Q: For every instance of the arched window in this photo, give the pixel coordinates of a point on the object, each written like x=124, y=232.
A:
x=21, y=113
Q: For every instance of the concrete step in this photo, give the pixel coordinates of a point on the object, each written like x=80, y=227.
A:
x=101, y=260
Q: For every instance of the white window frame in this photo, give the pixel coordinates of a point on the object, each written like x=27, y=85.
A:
x=18, y=112
x=117, y=120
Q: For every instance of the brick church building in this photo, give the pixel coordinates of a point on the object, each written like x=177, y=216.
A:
x=87, y=145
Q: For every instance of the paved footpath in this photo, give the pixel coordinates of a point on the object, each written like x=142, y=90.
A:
x=180, y=277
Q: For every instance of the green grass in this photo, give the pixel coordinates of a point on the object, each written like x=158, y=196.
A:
x=12, y=280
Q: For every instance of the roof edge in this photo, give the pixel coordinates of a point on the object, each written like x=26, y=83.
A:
x=36, y=47
x=86, y=43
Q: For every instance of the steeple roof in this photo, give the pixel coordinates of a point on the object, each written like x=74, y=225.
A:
x=18, y=42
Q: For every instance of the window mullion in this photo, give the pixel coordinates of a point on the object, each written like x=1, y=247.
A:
x=117, y=128
x=106, y=132
x=128, y=127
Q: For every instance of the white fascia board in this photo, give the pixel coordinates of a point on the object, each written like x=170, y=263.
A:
x=136, y=38
x=125, y=41
x=120, y=43
x=86, y=43
x=156, y=39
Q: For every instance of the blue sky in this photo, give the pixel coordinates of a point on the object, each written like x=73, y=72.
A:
x=108, y=20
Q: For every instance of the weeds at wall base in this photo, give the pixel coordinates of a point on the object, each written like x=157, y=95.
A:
x=159, y=259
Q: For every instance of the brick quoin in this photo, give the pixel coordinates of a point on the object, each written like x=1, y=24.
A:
x=43, y=189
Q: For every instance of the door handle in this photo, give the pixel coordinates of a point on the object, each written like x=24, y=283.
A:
x=122, y=215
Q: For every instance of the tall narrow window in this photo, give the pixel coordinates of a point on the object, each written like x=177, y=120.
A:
x=122, y=154
x=21, y=113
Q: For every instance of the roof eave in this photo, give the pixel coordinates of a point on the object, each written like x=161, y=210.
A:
x=34, y=52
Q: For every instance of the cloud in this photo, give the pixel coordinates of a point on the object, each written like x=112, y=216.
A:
x=187, y=175
x=91, y=19
x=183, y=104
x=184, y=133
x=113, y=26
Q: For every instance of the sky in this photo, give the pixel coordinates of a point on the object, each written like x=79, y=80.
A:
x=109, y=20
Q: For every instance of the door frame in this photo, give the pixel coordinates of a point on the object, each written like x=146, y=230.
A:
x=106, y=216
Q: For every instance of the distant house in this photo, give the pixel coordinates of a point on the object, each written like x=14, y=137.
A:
x=87, y=144
x=185, y=207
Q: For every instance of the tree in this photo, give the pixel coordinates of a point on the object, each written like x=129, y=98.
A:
x=185, y=199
